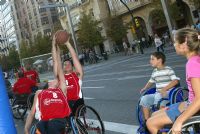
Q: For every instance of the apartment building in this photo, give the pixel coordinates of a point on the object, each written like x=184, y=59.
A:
x=143, y=12
x=7, y=28
x=32, y=20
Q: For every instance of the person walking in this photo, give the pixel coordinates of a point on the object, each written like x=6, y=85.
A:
x=158, y=43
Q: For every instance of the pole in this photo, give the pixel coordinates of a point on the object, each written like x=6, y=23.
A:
x=133, y=21
x=165, y=9
x=72, y=28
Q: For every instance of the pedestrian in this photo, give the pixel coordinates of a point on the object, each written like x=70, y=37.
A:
x=186, y=43
x=125, y=45
x=158, y=43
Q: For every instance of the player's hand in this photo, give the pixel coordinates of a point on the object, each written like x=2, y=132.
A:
x=176, y=128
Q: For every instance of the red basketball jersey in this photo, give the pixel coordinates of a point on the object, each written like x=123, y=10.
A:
x=73, y=90
x=53, y=104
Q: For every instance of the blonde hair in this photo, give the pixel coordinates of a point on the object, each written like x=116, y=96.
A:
x=190, y=36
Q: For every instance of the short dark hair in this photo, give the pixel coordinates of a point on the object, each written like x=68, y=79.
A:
x=20, y=74
x=160, y=55
x=68, y=59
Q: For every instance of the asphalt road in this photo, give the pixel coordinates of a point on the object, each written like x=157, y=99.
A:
x=112, y=87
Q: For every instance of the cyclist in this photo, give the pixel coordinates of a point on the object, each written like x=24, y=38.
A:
x=186, y=43
x=50, y=106
x=73, y=78
x=165, y=79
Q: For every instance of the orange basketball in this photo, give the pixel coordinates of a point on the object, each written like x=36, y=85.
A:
x=61, y=36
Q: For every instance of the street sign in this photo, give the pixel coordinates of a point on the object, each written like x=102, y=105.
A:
x=2, y=2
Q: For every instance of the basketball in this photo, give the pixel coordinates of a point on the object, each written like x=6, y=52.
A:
x=61, y=36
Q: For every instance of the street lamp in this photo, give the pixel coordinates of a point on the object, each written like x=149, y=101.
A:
x=133, y=21
x=69, y=19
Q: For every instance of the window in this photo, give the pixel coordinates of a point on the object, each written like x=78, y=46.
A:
x=44, y=20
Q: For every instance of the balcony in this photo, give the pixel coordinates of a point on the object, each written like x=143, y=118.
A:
x=78, y=4
x=117, y=8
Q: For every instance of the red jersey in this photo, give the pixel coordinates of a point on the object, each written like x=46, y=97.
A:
x=23, y=86
x=53, y=104
x=31, y=74
x=73, y=83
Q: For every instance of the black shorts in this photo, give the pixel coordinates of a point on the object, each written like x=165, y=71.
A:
x=54, y=126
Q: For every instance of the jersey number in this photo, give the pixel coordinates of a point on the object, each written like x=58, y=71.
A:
x=55, y=95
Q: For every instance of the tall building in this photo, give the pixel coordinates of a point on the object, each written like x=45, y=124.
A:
x=32, y=21
x=7, y=28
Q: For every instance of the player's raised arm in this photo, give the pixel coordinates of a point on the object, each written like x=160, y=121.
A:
x=54, y=57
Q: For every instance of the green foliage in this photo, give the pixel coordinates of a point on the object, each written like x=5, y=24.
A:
x=116, y=29
x=89, y=33
x=10, y=61
x=13, y=58
x=41, y=45
x=158, y=16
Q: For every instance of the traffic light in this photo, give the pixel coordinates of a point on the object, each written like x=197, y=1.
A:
x=137, y=24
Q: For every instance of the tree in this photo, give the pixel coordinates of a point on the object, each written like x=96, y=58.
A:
x=89, y=33
x=116, y=29
x=42, y=45
x=13, y=58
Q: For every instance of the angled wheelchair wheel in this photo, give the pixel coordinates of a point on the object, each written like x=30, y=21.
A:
x=192, y=126
x=140, y=116
x=89, y=119
x=181, y=94
x=19, y=109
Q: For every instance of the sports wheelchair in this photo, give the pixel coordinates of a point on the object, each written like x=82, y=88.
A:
x=191, y=126
x=177, y=94
x=83, y=120
x=21, y=103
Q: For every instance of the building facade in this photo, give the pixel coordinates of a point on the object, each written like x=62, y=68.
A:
x=98, y=9
x=32, y=20
x=145, y=13
x=7, y=28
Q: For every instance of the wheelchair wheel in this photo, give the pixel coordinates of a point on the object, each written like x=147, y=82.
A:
x=180, y=95
x=19, y=109
x=192, y=126
x=30, y=100
x=90, y=119
x=139, y=113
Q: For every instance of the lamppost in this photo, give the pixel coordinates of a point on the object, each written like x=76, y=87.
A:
x=133, y=20
x=69, y=19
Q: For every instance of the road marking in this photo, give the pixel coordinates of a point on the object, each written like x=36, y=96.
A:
x=92, y=87
x=88, y=98
x=121, y=128
x=133, y=77
x=115, y=127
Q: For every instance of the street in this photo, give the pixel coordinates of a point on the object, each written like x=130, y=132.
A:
x=112, y=87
